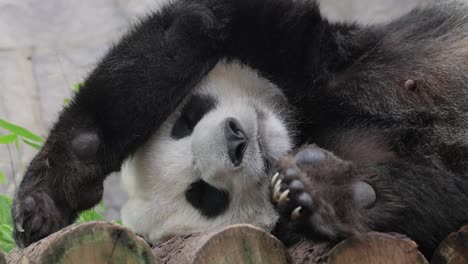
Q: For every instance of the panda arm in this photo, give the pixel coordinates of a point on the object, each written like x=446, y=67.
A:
x=127, y=96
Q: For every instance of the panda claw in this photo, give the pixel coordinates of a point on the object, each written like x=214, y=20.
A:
x=283, y=199
x=273, y=180
x=19, y=227
x=296, y=214
x=278, y=185
x=276, y=191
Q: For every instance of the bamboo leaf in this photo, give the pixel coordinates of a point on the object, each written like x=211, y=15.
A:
x=32, y=144
x=77, y=87
x=89, y=215
x=5, y=207
x=21, y=131
x=8, y=139
x=100, y=208
x=2, y=178
x=7, y=243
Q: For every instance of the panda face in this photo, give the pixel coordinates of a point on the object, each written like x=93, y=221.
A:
x=207, y=166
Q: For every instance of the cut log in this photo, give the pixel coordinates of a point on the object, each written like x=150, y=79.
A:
x=454, y=249
x=376, y=248
x=93, y=242
x=234, y=244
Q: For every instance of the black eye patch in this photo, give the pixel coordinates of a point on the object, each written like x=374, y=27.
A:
x=198, y=106
x=208, y=200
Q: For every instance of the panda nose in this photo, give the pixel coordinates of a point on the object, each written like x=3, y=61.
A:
x=236, y=140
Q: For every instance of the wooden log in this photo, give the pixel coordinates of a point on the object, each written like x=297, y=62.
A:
x=92, y=242
x=454, y=249
x=234, y=244
x=376, y=248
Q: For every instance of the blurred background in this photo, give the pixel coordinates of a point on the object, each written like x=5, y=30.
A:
x=48, y=46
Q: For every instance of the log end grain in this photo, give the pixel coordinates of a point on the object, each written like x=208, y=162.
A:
x=376, y=248
x=242, y=244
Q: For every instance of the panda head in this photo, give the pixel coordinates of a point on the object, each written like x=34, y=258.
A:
x=208, y=164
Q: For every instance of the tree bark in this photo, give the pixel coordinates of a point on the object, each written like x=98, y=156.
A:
x=93, y=242
x=2, y=258
x=307, y=252
x=234, y=244
x=454, y=249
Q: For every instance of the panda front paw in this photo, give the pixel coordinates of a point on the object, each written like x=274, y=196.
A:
x=35, y=217
x=320, y=195
x=60, y=181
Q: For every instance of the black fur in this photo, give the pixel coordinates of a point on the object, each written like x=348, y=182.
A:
x=209, y=200
x=191, y=114
x=390, y=100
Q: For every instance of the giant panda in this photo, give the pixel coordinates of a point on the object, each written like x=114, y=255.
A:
x=384, y=108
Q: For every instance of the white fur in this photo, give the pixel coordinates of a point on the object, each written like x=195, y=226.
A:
x=158, y=175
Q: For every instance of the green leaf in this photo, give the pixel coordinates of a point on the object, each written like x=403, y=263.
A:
x=5, y=210
x=89, y=215
x=8, y=139
x=17, y=144
x=2, y=178
x=21, y=131
x=100, y=208
x=32, y=144
x=66, y=101
x=77, y=87
x=7, y=243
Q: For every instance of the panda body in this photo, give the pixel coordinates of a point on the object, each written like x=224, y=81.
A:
x=161, y=173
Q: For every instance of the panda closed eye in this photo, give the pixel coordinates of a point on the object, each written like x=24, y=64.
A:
x=198, y=106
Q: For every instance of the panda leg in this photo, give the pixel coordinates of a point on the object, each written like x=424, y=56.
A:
x=326, y=198
x=308, y=187
x=127, y=96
